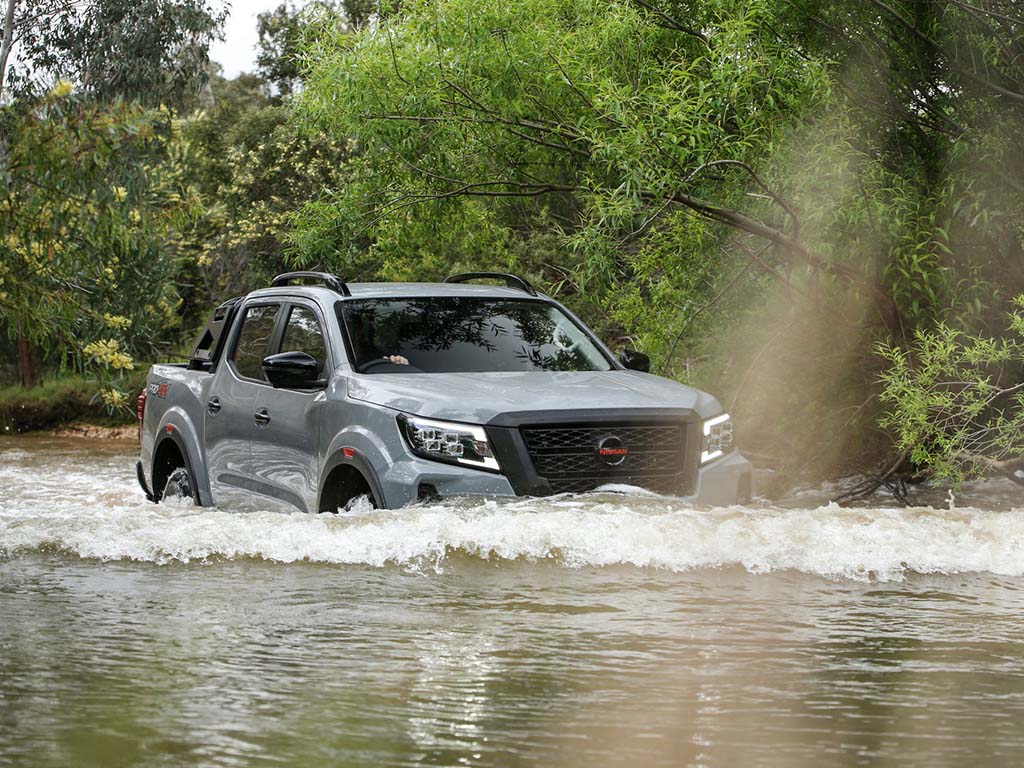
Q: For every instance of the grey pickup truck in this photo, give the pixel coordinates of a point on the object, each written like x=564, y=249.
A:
x=308, y=397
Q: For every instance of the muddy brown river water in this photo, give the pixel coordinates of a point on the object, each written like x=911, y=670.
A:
x=592, y=631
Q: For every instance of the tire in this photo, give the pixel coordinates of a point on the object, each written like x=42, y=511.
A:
x=179, y=486
x=346, y=487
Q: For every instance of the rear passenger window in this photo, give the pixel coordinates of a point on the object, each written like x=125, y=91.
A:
x=253, y=341
x=303, y=334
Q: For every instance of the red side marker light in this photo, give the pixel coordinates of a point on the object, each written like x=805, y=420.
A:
x=169, y=428
x=140, y=410
x=348, y=452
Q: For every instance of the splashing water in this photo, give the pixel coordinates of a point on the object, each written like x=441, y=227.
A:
x=91, y=507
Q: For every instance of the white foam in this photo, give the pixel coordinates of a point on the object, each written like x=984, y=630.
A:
x=95, y=512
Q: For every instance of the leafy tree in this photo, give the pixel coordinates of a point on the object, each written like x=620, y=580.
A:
x=253, y=169
x=624, y=116
x=956, y=402
x=152, y=51
x=530, y=114
x=282, y=32
x=86, y=212
x=934, y=93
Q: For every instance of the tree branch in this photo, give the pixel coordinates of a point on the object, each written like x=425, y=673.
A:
x=973, y=76
x=758, y=181
x=672, y=23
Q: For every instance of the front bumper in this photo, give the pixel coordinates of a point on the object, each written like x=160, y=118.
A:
x=724, y=482
x=415, y=479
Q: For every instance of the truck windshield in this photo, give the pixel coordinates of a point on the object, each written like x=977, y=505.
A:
x=455, y=334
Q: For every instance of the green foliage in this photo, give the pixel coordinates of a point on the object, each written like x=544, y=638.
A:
x=282, y=33
x=252, y=168
x=151, y=51
x=752, y=192
x=152, y=206
x=86, y=211
x=582, y=118
x=930, y=106
x=948, y=403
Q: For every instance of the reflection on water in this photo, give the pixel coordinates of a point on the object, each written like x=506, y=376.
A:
x=606, y=631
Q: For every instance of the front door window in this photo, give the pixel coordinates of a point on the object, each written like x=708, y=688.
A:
x=303, y=334
x=254, y=341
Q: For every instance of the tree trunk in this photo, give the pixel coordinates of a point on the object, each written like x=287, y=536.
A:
x=29, y=366
x=8, y=40
x=5, y=52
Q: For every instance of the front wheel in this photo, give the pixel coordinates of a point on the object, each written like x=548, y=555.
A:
x=346, y=490
x=178, y=486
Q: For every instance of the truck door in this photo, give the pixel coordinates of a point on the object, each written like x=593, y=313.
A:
x=231, y=405
x=286, y=443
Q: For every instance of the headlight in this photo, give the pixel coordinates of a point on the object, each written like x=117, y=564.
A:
x=464, y=444
x=718, y=438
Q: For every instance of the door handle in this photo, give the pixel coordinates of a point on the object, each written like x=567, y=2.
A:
x=213, y=406
x=262, y=417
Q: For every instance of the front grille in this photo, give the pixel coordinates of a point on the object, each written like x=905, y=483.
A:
x=568, y=458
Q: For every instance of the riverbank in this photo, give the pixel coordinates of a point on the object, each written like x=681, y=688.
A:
x=65, y=403
x=128, y=432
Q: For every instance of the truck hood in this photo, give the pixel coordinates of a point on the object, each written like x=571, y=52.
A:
x=478, y=397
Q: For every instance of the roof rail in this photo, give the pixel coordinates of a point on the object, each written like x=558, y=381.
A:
x=333, y=282
x=512, y=281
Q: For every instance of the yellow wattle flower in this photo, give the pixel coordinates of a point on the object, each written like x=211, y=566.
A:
x=61, y=89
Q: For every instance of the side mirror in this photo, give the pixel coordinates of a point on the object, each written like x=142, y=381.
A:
x=634, y=360
x=292, y=370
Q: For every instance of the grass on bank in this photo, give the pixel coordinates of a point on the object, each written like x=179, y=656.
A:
x=62, y=400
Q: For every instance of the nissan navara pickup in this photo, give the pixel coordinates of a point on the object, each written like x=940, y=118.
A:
x=309, y=397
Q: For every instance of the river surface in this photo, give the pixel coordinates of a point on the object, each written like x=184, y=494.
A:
x=592, y=631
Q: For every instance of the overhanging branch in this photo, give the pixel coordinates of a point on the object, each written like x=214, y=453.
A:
x=671, y=22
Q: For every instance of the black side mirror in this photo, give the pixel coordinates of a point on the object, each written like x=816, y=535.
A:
x=292, y=370
x=634, y=360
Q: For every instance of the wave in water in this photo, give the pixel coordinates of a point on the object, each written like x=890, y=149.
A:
x=49, y=507
x=829, y=540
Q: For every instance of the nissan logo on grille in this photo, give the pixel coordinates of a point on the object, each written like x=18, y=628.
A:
x=611, y=451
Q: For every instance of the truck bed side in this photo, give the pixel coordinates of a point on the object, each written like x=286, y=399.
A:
x=175, y=414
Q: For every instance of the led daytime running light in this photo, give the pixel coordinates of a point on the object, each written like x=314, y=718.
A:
x=718, y=438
